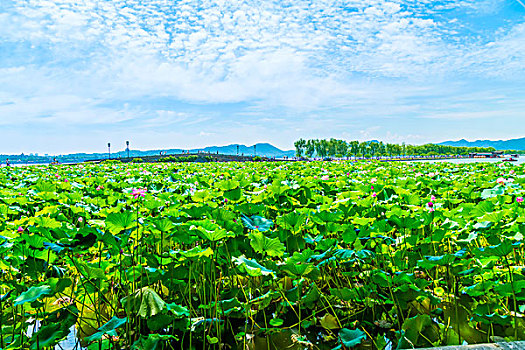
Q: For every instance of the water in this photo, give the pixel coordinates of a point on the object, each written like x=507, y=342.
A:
x=521, y=160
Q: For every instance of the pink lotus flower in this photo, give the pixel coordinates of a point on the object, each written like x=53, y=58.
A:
x=519, y=199
x=372, y=188
x=20, y=229
x=100, y=188
x=325, y=177
x=80, y=219
x=430, y=204
x=66, y=180
x=374, y=195
x=501, y=181
x=138, y=192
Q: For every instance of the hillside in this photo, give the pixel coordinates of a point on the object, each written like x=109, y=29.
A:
x=262, y=149
x=514, y=144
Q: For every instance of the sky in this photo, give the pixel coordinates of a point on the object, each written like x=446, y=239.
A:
x=77, y=74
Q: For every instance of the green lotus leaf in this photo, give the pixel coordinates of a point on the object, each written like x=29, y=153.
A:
x=145, y=303
x=350, y=338
x=109, y=328
x=48, y=336
x=264, y=245
x=257, y=223
x=228, y=185
x=493, y=192
x=118, y=222
x=252, y=267
x=32, y=294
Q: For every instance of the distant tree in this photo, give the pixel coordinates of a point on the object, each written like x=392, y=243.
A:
x=310, y=148
x=354, y=148
x=300, y=147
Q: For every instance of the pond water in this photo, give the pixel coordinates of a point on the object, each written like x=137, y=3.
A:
x=521, y=160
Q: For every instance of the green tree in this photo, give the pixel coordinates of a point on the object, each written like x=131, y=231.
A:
x=300, y=147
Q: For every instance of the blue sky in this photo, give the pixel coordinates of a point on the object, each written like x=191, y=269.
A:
x=76, y=74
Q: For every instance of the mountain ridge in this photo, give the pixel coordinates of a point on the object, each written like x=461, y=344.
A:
x=512, y=144
x=261, y=149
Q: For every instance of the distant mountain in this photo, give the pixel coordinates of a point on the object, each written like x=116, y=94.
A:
x=261, y=149
x=514, y=144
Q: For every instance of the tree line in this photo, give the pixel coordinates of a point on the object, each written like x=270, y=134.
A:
x=341, y=148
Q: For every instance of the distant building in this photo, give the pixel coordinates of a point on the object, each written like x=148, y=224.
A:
x=495, y=154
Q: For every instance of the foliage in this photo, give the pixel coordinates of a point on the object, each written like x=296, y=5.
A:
x=235, y=255
x=340, y=148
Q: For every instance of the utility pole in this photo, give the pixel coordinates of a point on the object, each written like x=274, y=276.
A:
x=254, y=150
x=109, y=150
x=127, y=147
x=237, y=149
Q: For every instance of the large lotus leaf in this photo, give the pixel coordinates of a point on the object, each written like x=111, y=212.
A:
x=89, y=271
x=252, y=267
x=417, y=331
x=494, y=319
x=228, y=185
x=42, y=186
x=405, y=221
x=49, y=335
x=145, y=303
x=210, y=231
x=178, y=311
x=323, y=217
x=508, y=289
x=358, y=294
x=264, y=245
x=257, y=223
x=159, y=321
x=412, y=199
x=494, y=217
x=432, y=261
x=250, y=208
x=195, y=211
x=197, y=252
x=151, y=342
x=233, y=195
x=478, y=289
x=32, y=294
x=492, y=192
x=109, y=328
x=482, y=209
x=306, y=270
x=46, y=221
x=292, y=220
x=118, y=222
x=329, y=321
x=152, y=203
x=350, y=338
x=500, y=250
x=201, y=196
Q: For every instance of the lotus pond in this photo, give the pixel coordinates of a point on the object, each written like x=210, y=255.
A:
x=316, y=255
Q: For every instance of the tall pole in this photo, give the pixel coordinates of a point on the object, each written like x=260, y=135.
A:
x=127, y=147
x=237, y=149
x=254, y=150
x=109, y=150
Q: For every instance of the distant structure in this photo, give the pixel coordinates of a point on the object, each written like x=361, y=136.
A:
x=495, y=154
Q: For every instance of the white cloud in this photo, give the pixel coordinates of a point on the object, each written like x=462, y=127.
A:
x=81, y=61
